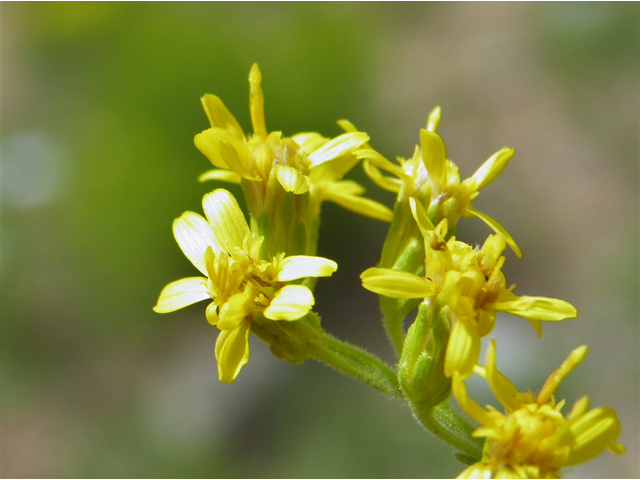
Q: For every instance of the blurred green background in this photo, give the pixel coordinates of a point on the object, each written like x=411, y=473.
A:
x=100, y=103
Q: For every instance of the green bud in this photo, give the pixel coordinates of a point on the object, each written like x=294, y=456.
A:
x=421, y=368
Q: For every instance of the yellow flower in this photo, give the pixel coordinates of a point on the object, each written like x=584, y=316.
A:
x=240, y=284
x=434, y=180
x=467, y=281
x=264, y=162
x=532, y=439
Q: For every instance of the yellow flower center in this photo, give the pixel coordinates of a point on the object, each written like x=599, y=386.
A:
x=235, y=271
x=531, y=437
x=472, y=283
x=275, y=150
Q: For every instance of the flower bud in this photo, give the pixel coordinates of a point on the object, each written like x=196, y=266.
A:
x=421, y=369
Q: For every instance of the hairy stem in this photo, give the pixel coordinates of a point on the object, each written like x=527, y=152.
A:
x=360, y=364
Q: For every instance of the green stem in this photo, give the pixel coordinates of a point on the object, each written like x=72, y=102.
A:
x=360, y=364
x=452, y=428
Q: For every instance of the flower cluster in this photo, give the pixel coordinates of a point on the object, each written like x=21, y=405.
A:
x=532, y=439
x=259, y=277
x=283, y=176
x=239, y=283
x=434, y=181
x=461, y=288
x=470, y=283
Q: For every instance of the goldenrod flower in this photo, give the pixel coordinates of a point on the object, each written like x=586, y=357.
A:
x=434, y=180
x=532, y=439
x=238, y=281
x=269, y=165
x=467, y=281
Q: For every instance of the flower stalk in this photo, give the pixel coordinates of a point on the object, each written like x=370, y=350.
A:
x=360, y=364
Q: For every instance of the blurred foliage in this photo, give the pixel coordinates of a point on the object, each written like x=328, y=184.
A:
x=100, y=103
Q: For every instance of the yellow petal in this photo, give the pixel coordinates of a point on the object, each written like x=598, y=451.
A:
x=491, y=168
x=500, y=385
x=379, y=161
x=434, y=119
x=220, y=175
x=594, y=431
x=434, y=156
x=477, y=470
x=256, y=101
x=360, y=205
x=574, y=358
x=486, y=321
x=292, y=180
x=302, y=266
x=341, y=145
x=491, y=251
x=237, y=156
x=469, y=406
x=537, y=325
x=616, y=448
x=347, y=126
x=535, y=308
x=193, y=234
x=421, y=218
x=463, y=350
x=579, y=408
x=212, y=314
x=333, y=170
x=225, y=151
x=181, y=293
x=441, y=229
x=346, y=187
x=496, y=227
x=219, y=116
x=516, y=472
x=396, y=283
x=291, y=302
x=309, y=142
x=232, y=351
x=226, y=219
x=387, y=183
x=235, y=311
x=208, y=146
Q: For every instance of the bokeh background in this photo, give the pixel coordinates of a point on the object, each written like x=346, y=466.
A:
x=100, y=103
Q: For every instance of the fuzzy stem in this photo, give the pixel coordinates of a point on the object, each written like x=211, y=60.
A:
x=358, y=363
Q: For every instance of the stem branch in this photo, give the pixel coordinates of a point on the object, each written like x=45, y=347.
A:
x=360, y=364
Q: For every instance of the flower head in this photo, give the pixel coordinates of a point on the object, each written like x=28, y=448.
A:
x=434, y=180
x=532, y=439
x=271, y=168
x=243, y=287
x=469, y=283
